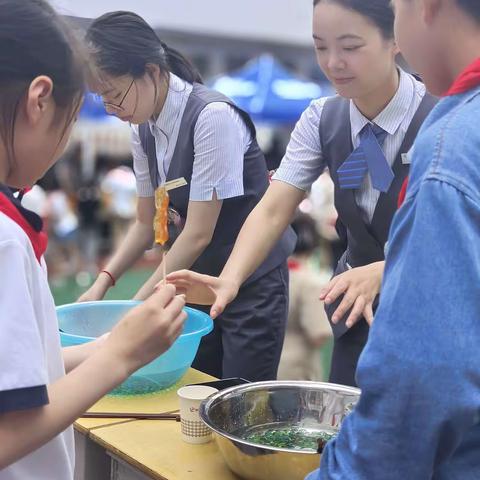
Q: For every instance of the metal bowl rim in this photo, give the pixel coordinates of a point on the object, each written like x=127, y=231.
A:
x=246, y=387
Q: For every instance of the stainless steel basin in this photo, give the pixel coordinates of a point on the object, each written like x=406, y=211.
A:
x=311, y=407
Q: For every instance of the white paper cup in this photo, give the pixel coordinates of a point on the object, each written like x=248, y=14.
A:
x=193, y=429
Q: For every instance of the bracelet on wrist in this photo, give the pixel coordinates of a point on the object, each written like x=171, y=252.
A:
x=112, y=278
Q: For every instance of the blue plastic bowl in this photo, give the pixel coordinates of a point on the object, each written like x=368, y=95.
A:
x=83, y=322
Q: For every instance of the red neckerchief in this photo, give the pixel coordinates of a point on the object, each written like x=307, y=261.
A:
x=293, y=264
x=468, y=79
x=38, y=239
x=403, y=192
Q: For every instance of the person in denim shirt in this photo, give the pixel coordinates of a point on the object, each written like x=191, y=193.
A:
x=419, y=413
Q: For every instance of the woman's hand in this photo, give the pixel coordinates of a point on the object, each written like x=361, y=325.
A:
x=359, y=287
x=204, y=289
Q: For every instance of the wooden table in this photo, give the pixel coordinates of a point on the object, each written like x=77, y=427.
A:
x=142, y=449
x=155, y=449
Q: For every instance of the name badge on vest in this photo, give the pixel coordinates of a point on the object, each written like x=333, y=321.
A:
x=179, y=182
x=407, y=157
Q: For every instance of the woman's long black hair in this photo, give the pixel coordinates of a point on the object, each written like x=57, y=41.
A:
x=379, y=12
x=123, y=44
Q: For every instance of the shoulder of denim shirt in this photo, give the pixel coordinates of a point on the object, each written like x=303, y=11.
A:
x=447, y=148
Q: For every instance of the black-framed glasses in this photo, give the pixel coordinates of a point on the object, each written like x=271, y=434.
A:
x=119, y=106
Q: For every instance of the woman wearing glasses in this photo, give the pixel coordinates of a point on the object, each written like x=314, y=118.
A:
x=182, y=130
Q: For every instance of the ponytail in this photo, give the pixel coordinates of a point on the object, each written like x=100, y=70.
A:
x=122, y=43
x=181, y=66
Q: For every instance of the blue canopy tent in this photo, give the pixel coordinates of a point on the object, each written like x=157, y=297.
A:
x=93, y=108
x=269, y=92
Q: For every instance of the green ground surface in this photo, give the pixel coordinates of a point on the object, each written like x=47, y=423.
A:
x=68, y=290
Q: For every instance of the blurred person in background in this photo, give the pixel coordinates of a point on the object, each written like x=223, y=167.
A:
x=307, y=328
x=63, y=253
x=88, y=200
x=119, y=200
x=35, y=200
x=322, y=198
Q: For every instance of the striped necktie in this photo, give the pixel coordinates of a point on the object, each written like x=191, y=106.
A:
x=368, y=156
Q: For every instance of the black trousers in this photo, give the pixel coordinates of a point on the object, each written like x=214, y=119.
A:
x=347, y=343
x=346, y=352
x=247, y=338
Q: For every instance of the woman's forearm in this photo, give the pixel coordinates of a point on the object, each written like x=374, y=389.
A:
x=262, y=230
x=200, y=224
x=75, y=355
x=23, y=431
x=138, y=239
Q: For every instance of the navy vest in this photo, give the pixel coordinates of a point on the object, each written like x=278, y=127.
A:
x=364, y=243
x=234, y=211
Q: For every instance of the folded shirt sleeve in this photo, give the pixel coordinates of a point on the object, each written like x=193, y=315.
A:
x=303, y=162
x=221, y=139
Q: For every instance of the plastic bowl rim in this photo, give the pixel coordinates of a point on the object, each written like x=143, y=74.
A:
x=183, y=337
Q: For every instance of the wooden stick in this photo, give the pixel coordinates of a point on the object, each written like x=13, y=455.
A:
x=138, y=416
x=164, y=265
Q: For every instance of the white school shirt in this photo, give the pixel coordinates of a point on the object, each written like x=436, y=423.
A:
x=30, y=352
x=303, y=162
x=221, y=140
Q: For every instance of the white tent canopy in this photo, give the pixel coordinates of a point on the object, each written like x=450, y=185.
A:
x=282, y=21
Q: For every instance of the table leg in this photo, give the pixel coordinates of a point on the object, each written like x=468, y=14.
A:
x=91, y=460
x=121, y=470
